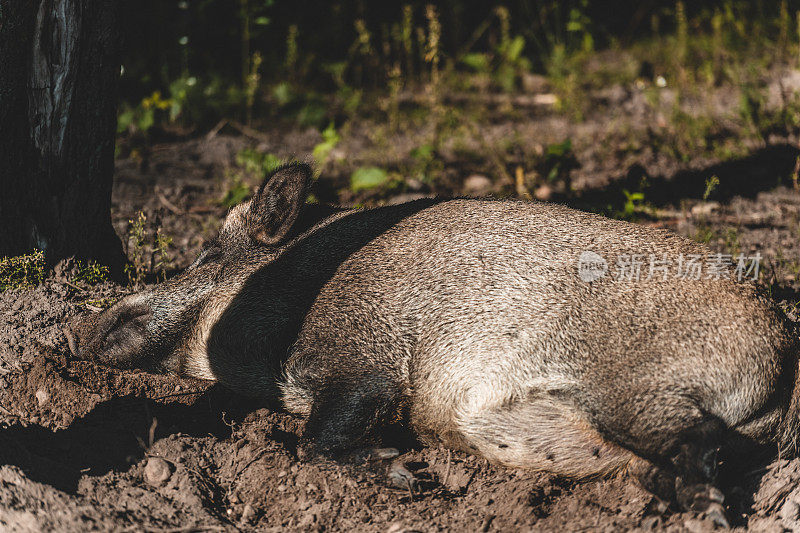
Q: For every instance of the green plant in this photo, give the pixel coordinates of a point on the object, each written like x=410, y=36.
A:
x=752, y=104
x=292, y=51
x=564, y=25
x=711, y=184
x=257, y=163
x=557, y=162
x=135, y=269
x=368, y=178
x=146, y=242
x=322, y=151
x=22, y=271
x=511, y=63
x=732, y=244
x=141, y=118
x=426, y=163
x=237, y=192
x=505, y=63
x=704, y=233
x=634, y=201
x=564, y=77
x=180, y=92
x=689, y=133
x=161, y=259
x=253, y=79
x=681, y=36
x=100, y=303
x=432, y=54
x=90, y=273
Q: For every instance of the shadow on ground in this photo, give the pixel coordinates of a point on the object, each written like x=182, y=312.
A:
x=764, y=169
x=116, y=435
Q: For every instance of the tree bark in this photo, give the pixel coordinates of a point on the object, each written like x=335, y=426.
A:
x=59, y=71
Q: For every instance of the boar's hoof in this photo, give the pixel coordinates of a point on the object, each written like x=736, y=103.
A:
x=705, y=499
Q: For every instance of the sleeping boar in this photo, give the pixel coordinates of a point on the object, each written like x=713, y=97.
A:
x=531, y=334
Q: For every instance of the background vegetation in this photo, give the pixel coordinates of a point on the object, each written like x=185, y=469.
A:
x=192, y=62
x=445, y=70
x=628, y=108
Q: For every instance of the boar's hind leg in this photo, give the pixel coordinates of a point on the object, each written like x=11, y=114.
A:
x=541, y=432
x=347, y=409
x=686, y=470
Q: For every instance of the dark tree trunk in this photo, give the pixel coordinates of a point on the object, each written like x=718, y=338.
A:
x=59, y=70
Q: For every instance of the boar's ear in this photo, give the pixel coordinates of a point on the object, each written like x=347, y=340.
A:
x=276, y=205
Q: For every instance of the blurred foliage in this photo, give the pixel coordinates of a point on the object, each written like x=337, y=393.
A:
x=253, y=166
x=188, y=64
x=322, y=151
x=368, y=178
x=558, y=160
x=354, y=73
x=257, y=163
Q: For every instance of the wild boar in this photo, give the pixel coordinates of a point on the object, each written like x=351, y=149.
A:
x=472, y=322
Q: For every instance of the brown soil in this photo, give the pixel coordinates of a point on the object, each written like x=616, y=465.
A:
x=85, y=447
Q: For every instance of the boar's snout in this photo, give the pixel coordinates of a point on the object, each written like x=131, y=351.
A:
x=117, y=336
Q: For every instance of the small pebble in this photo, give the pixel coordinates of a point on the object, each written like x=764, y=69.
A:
x=401, y=477
x=42, y=397
x=248, y=513
x=157, y=471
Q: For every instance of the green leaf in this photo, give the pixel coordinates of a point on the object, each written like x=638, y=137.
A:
x=422, y=152
x=558, y=150
x=515, y=48
x=147, y=120
x=476, y=61
x=124, y=120
x=283, y=93
x=262, y=21
x=367, y=178
x=235, y=195
x=269, y=163
x=322, y=150
x=312, y=113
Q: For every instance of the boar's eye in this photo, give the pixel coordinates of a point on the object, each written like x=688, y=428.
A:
x=210, y=251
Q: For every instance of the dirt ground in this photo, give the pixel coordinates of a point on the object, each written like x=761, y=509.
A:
x=84, y=447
